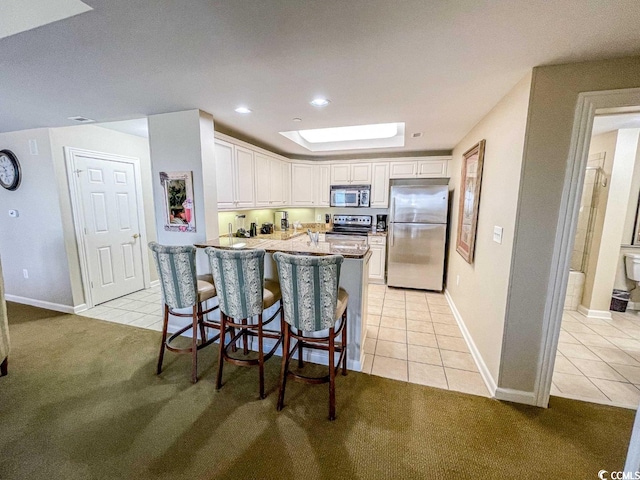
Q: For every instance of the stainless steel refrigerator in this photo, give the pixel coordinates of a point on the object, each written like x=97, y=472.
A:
x=417, y=234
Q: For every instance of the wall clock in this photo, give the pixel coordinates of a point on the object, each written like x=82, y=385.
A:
x=10, y=174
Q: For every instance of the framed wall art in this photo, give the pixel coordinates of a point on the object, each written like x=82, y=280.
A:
x=470, y=182
x=178, y=201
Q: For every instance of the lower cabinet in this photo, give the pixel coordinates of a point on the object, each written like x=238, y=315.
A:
x=378, y=262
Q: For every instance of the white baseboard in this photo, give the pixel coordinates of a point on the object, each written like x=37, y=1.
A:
x=154, y=283
x=475, y=353
x=601, y=314
x=80, y=308
x=633, y=306
x=40, y=303
x=516, y=396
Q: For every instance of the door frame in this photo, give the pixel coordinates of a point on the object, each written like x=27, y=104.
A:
x=70, y=154
x=586, y=108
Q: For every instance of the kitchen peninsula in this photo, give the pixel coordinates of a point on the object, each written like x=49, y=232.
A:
x=354, y=276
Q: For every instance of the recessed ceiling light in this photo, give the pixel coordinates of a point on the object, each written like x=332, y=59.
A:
x=243, y=110
x=319, y=102
x=297, y=119
x=80, y=119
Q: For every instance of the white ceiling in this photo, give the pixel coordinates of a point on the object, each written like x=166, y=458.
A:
x=437, y=65
x=138, y=127
x=608, y=123
x=22, y=15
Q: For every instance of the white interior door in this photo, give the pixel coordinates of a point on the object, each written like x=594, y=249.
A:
x=112, y=242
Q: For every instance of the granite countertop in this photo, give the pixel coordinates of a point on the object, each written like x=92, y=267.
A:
x=377, y=234
x=298, y=244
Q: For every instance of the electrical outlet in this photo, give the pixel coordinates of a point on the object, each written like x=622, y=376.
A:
x=25, y=273
x=457, y=280
x=318, y=218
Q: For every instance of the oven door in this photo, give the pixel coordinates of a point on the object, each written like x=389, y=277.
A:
x=345, y=198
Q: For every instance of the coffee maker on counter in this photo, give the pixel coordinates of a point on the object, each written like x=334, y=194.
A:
x=381, y=223
x=281, y=220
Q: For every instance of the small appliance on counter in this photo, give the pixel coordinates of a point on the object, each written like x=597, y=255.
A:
x=381, y=223
x=281, y=221
x=266, y=229
x=240, y=230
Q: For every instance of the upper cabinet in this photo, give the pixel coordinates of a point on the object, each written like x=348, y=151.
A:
x=309, y=185
x=234, y=176
x=271, y=181
x=249, y=177
x=380, y=185
x=419, y=168
x=350, y=173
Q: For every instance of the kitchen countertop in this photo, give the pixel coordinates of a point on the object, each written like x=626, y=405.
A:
x=296, y=244
x=377, y=234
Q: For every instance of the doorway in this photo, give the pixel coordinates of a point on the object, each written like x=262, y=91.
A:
x=589, y=105
x=106, y=197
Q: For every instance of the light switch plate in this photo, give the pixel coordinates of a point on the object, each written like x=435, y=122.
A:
x=497, y=234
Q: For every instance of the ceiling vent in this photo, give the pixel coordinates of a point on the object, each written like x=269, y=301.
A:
x=81, y=119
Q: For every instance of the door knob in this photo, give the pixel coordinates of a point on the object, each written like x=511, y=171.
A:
x=136, y=236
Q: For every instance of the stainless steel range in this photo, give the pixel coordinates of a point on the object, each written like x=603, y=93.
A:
x=350, y=227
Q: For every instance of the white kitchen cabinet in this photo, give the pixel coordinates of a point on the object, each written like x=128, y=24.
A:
x=302, y=185
x=432, y=168
x=377, y=264
x=310, y=185
x=350, y=173
x=419, y=169
x=244, y=176
x=270, y=181
x=323, y=186
x=234, y=176
x=380, y=185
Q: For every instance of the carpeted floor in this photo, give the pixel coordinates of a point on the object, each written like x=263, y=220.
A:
x=82, y=402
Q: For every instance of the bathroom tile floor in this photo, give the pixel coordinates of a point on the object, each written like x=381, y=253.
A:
x=599, y=360
x=411, y=335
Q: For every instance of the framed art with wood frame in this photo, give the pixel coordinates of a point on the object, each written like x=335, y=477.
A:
x=470, y=183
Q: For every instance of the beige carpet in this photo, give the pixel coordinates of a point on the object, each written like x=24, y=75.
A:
x=81, y=402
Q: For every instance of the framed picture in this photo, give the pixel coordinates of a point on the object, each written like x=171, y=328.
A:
x=470, y=182
x=178, y=201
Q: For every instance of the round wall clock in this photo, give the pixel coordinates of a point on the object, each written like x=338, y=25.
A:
x=10, y=175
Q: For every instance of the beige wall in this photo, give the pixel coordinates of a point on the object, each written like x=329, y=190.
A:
x=98, y=139
x=35, y=240
x=481, y=295
x=553, y=102
x=602, y=272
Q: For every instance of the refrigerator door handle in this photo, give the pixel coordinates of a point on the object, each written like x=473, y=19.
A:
x=392, y=209
x=391, y=234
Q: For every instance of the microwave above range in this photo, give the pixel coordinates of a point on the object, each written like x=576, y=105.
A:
x=350, y=195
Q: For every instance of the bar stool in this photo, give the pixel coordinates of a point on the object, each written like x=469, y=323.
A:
x=313, y=302
x=243, y=294
x=181, y=288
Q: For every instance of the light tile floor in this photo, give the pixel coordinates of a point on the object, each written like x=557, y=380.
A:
x=413, y=336
x=599, y=360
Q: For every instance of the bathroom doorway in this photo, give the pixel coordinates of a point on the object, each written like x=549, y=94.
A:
x=598, y=355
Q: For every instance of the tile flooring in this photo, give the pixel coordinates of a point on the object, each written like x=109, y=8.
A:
x=599, y=360
x=413, y=336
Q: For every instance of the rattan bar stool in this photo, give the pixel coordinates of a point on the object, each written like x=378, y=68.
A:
x=313, y=302
x=244, y=294
x=182, y=289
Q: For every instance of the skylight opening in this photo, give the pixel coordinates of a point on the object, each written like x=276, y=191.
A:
x=344, y=134
x=379, y=135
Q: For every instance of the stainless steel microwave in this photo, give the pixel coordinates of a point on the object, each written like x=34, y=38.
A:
x=350, y=195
